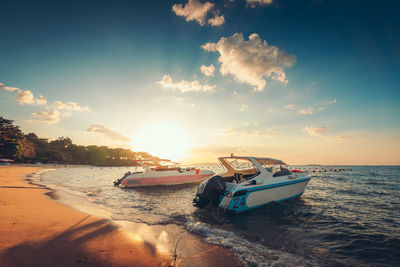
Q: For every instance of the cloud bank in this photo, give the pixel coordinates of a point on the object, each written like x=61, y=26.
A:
x=184, y=86
x=26, y=97
x=50, y=117
x=7, y=88
x=250, y=61
x=109, y=133
x=69, y=106
x=315, y=131
x=306, y=111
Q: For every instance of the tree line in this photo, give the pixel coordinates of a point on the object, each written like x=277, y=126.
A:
x=29, y=148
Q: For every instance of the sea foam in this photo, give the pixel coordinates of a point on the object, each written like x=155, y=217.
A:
x=251, y=254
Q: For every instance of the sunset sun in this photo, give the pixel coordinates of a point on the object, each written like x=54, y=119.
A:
x=162, y=139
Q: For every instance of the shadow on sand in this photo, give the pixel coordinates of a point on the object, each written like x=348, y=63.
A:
x=64, y=249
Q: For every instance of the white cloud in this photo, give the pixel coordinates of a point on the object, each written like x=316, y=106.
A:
x=109, y=133
x=52, y=116
x=249, y=61
x=315, y=131
x=256, y=123
x=290, y=106
x=194, y=10
x=321, y=109
x=333, y=101
x=244, y=107
x=254, y=3
x=41, y=100
x=216, y=21
x=7, y=88
x=185, y=86
x=70, y=106
x=25, y=97
x=208, y=70
x=306, y=111
x=235, y=94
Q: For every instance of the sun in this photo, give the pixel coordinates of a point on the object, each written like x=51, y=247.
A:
x=162, y=139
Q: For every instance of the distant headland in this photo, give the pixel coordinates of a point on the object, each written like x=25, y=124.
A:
x=19, y=147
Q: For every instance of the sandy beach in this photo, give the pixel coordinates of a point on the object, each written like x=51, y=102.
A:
x=37, y=231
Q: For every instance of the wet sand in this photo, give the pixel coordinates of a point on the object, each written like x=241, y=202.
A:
x=36, y=231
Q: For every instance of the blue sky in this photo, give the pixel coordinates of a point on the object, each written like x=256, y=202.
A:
x=324, y=87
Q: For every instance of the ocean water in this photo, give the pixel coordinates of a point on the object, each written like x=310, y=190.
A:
x=343, y=218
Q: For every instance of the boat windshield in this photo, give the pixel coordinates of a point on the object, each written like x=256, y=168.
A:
x=157, y=164
x=240, y=163
x=269, y=161
x=274, y=168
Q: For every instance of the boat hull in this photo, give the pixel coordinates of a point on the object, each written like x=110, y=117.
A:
x=254, y=197
x=165, y=178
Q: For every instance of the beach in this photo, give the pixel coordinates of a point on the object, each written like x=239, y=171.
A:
x=38, y=231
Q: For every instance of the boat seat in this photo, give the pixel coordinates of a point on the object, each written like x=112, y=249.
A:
x=238, y=178
x=282, y=173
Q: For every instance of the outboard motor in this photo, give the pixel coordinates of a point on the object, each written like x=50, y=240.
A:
x=118, y=181
x=209, y=191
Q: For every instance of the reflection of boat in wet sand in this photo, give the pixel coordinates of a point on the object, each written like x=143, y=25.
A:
x=250, y=182
x=162, y=172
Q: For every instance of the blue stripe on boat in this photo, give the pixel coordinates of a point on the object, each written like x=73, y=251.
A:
x=266, y=187
x=261, y=205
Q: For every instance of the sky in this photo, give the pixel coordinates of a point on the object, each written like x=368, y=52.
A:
x=304, y=81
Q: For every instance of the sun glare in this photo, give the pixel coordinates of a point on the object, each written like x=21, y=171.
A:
x=162, y=139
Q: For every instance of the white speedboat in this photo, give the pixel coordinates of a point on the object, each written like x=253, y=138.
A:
x=250, y=182
x=162, y=172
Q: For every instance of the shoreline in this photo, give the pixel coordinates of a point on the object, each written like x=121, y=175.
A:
x=39, y=231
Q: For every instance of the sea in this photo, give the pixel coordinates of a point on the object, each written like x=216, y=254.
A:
x=349, y=217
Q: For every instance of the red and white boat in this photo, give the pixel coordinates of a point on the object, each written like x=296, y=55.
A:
x=162, y=172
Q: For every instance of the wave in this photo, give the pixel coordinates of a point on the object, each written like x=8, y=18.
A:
x=251, y=254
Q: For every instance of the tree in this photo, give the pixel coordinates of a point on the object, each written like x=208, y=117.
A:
x=62, y=143
x=27, y=150
x=97, y=155
x=10, y=137
x=77, y=154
